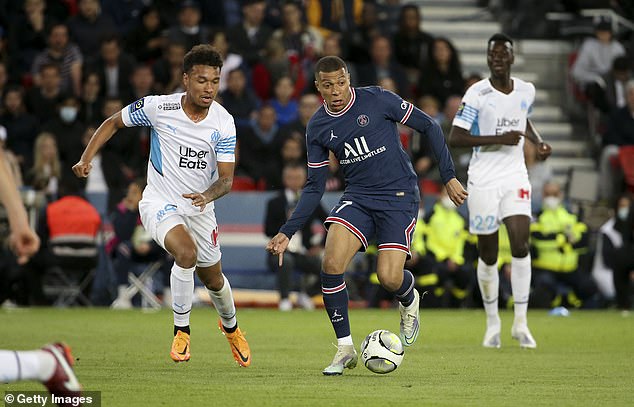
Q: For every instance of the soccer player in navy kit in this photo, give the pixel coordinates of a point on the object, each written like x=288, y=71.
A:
x=380, y=200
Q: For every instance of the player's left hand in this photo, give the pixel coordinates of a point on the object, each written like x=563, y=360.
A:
x=277, y=245
x=198, y=199
x=456, y=192
x=24, y=243
x=543, y=151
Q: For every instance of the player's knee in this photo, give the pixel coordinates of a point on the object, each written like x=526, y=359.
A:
x=332, y=265
x=488, y=257
x=520, y=250
x=186, y=256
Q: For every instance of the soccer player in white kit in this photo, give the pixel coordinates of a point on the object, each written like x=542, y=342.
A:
x=493, y=119
x=191, y=165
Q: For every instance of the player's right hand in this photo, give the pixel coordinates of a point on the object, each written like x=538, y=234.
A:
x=82, y=169
x=277, y=245
x=511, y=138
x=24, y=243
x=456, y=192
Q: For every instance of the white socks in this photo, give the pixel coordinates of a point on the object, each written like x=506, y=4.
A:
x=489, y=282
x=223, y=301
x=521, y=286
x=346, y=340
x=26, y=365
x=182, y=285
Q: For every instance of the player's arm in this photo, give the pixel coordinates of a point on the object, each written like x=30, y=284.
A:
x=219, y=188
x=423, y=123
x=308, y=202
x=459, y=137
x=23, y=240
x=107, y=129
x=543, y=149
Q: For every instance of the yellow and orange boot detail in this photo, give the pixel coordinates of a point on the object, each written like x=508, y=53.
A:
x=239, y=346
x=180, y=347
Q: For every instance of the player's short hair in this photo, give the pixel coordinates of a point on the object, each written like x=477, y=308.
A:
x=202, y=54
x=501, y=37
x=329, y=63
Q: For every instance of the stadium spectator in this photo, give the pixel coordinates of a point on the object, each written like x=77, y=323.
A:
x=145, y=41
x=308, y=105
x=239, y=99
x=284, y=102
x=355, y=43
x=90, y=100
x=620, y=132
x=260, y=145
x=113, y=66
x=45, y=175
x=608, y=93
x=68, y=131
x=441, y=76
x=379, y=176
x=333, y=16
x=89, y=26
x=299, y=39
x=28, y=34
x=460, y=155
x=499, y=189
x=558, y=240
x=190, y=236
x=42, y=100
x=63, y=53
x=596, y=54
x=292, y=151
x=132, y=247
x=4, y=79
x=249, y=37
x=141, y=84
x=22, y=127
x=304, y=251
x=411, y=44
x=125, y=14
x=188, y=31
x=168, y=71
x=613, y=267
x=231, y=60
x=381, y=66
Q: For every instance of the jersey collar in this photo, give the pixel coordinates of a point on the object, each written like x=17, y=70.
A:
x=345, y=109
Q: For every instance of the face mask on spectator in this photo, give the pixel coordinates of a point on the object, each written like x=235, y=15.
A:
x=447, y=203
x=68, y=114
x=551, y=202
x=623, y=213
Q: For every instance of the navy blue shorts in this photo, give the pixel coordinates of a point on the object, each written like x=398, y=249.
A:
x=391, y=223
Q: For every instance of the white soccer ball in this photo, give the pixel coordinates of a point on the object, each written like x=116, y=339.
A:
x=382, y=351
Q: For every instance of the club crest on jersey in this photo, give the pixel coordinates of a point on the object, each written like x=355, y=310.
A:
x=137, y=105
x=363, y=120
x=215, y=136
x=523, y=105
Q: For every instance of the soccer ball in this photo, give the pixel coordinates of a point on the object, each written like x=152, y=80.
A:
x=382, y=351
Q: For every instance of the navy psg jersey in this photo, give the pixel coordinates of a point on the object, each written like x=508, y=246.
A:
x=364, y=139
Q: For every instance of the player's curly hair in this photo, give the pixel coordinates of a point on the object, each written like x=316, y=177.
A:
x=500, y=37
x=202, y=54
x=329, y=63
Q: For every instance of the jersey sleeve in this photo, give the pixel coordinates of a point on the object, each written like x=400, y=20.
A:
x=140, y=113
x=532, y=100
x=468, y=112
x=404, y=112
x=225, y=149
x=314, y=188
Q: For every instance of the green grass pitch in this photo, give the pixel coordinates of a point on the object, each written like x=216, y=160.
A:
x=586, y=359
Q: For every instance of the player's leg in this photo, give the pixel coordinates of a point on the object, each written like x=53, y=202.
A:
x=52, y=365
x=204, y=229
x=518, y=231
x=341, y=246
x=180, y=244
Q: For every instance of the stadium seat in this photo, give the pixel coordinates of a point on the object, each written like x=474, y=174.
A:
x=626, y=159
x=74, y=262
x=143, y=285
x=243, y=183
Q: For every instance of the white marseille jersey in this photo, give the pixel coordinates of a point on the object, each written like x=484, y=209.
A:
x=183, y=154
x=487, y=111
